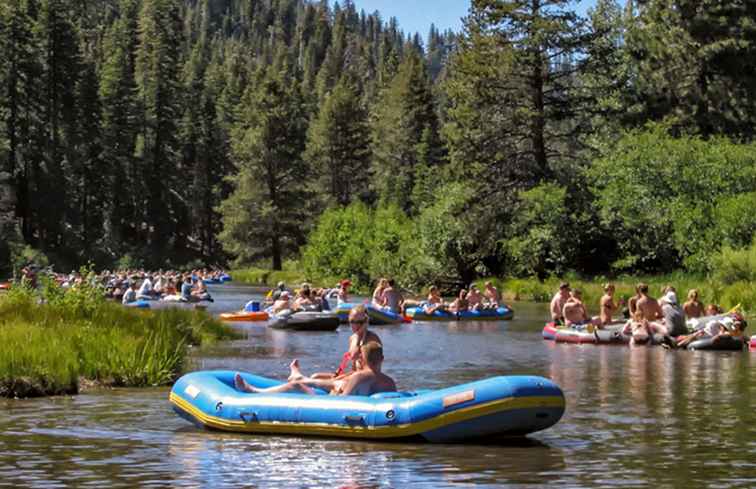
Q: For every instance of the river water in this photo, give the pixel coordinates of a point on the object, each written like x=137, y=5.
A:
x=636, y=417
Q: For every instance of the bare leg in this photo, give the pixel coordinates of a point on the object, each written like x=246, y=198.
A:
x=244, y=386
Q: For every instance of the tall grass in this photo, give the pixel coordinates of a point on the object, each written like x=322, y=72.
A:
x=722, y=293
x=49, y=344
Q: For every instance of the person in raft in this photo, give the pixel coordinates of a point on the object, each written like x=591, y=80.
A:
x=674, y=317
x=693, y=307
x=716, y=329
x=342, y=295
x=558, y=302
x=459, y=304
x=492, y=294
x=608, y=306
x=283, y=303
x=474, y=298
x=434, y=301
x=131, y=293
x=361, y=335
x=575, y=314
x=377, y=298
x=364, y=382
x=651, y=311
x=392, y=299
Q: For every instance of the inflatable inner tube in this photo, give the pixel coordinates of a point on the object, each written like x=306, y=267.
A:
x=721, y=343
x=306, y=321
x=498, y=314
x=378, y=316
x=509, y=406
x=140, y=304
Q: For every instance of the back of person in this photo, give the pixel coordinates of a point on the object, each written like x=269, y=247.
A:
x=392, y=298
x=186, y=290
x=674, y=320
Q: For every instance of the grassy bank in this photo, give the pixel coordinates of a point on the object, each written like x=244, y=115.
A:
x=77, y=339
x=727, y=295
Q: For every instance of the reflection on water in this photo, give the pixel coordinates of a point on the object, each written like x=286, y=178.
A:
x=635, y=417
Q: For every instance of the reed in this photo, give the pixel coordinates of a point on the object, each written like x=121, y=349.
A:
x=51, y=345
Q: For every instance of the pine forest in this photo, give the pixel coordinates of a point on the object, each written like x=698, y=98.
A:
x=172, y=133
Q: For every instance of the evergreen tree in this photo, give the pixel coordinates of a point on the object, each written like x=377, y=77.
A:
x=265, y=216
x=338, y=144
x=57, y=40
x=696, y=64
x=120, y=110
x=404, y=134
x=157, y=76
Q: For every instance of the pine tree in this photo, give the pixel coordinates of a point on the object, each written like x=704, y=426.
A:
x=57, y=39
x=20, y=97
x=338, y=144
x=120, y=109
x=405, y=137
x=265, y=216
x=696, y=65
x=529, y=53
x=157, y=68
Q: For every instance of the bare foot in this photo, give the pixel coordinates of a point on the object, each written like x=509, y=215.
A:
x=242, y=385
x=296, y=374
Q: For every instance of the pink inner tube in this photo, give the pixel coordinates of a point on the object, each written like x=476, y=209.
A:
x=753, y=342
x=566, y=335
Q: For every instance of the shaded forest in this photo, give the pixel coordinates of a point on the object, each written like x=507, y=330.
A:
x=173, y=132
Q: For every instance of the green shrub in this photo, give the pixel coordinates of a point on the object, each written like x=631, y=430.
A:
x=674, y=200
x=733, y=265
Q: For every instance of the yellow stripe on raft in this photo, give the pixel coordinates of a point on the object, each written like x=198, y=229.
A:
x=395, y=431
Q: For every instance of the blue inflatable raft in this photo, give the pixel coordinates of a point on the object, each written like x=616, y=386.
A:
x=513, y=405
x=378, y=316
x=140, y=304
x=500, y=313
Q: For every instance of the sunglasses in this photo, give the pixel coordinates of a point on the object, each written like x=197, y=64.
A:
x=358, y=322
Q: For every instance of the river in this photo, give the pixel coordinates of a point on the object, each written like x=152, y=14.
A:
x=636, y=417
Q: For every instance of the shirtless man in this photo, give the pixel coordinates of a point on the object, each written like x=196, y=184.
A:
x=650, y=310
x=492, y=294
x=368, y=380
x=558, y=302
x=392, y=299
x=474, y=299
x=282, y=304
x=434, y=301
x=693, y=307
x=574, y=311
x=607, y=305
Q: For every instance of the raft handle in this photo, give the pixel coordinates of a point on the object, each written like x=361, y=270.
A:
x=252, y=417
x=355, y=419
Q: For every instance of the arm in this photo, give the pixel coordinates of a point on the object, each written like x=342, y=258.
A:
x=354, y=381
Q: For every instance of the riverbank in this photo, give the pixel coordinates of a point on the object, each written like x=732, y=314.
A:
x=76, y=340
x=726, y=295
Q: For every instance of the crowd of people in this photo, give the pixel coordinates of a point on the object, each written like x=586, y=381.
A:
x=132, y=285
x=388, y=297
x=643, y=317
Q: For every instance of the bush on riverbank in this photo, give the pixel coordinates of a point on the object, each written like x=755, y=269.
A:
x=78, y=337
